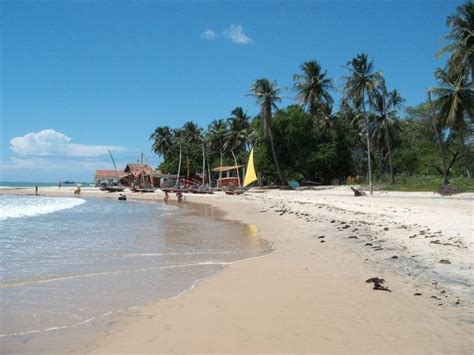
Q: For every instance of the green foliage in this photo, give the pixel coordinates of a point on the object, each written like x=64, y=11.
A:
x=429, y=183
x=310, y=143
x=305, y=152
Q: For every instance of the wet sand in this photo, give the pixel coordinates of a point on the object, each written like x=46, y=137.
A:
x=311, y=294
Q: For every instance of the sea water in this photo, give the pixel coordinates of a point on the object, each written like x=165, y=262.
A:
x=67, y=261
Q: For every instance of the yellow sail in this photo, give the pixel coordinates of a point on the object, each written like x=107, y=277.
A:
x=250, y=175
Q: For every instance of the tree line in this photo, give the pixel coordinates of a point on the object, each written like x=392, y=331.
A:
x=310, y=141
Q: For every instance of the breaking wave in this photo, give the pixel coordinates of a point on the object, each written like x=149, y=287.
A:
x=29, y=206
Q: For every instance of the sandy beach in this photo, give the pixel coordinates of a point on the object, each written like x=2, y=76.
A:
x=310, y=294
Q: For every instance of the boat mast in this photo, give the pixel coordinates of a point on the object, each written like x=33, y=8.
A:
x=115, y=167
x=143, y=177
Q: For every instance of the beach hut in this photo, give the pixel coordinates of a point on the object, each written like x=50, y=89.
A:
x=109, y=177
x=138, y=175
x=164, y=180
x=229, y=175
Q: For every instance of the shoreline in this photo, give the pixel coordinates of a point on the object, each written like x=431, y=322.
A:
x=306, y=295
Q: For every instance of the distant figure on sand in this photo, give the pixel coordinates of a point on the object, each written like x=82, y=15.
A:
x=77, y=191
x=179, y=195
x=36, y=190
x=166, y=197
x=358, y=192
x=59, y=185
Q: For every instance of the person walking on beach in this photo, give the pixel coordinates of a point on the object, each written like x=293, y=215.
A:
x=179, y=195
x=166, y=197
x=59, y=185
x=36, y=190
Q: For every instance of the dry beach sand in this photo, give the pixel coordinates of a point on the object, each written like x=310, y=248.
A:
x=310, y=294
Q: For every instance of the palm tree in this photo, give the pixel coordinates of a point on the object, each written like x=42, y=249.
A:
x=461, y=48
x=162, y=139
x=455, y=98
x=178, y=139
x=312, y=91
x=359, y=89
x=386, y=105
x=237, y=136
x=216, y=135
x=190, y=134
x=266, y=94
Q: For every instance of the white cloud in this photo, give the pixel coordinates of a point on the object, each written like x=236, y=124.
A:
x=52, y=168
x=236, y=34
x=209, y=35
x=49, y=142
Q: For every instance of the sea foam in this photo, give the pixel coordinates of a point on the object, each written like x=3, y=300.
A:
x=29, y=206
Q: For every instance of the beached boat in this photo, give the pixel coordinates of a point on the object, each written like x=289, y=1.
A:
x=114, y=187
x=111, y=188
x=200, y=189
x=249, y=179
x=144, y=189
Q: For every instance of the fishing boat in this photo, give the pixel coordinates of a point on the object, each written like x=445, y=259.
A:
x=144, y=189
x=249, y=179
x=114, y=187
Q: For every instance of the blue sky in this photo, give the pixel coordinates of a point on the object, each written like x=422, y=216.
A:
x=78, y=77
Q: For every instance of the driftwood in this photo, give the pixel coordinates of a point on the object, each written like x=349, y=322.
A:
x=378, y=284
x=358, y=192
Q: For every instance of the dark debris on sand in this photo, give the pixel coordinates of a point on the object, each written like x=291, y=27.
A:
x=378, y=284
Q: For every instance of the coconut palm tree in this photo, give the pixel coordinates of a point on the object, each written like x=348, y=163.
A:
x=190, y=134
x=461, y=37
x=359, y=89
x=237, y=136
x=455, y=99
x=312, y=91
x=266, y=94
x=162, y=139
x=386, y=125
x=216, y=135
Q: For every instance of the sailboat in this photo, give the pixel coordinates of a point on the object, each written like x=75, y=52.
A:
x=249, y=179
x=114, y=187
x=144, y=187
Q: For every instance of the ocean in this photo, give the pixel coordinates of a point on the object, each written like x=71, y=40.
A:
x=22, y=185
x=65, y=262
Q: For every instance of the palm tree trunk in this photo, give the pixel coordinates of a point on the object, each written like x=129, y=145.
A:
x=369, y=159
x=203, y=165
x=179, y=166
x=390, y=164
x=442, y=152
x=389, y=149
x=275, y=159
x=220, y=171
x=209, y=173
x=382, y=165
x=466, y=161
x=443, y=156
x=236, y=167
x=188, y=166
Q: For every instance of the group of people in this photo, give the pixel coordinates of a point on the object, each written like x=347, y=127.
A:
x=179, y=196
